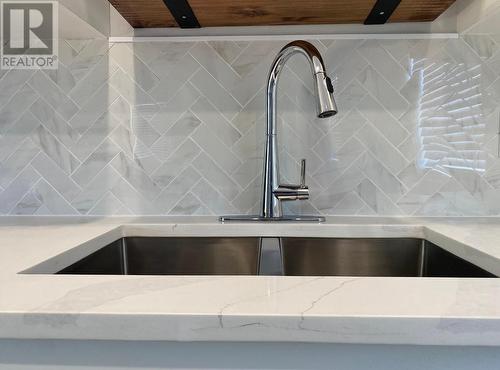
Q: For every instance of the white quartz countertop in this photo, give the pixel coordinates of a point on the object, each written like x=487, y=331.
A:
x=434, y=311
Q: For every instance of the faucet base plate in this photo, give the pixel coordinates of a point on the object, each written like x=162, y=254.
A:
x=250, y=218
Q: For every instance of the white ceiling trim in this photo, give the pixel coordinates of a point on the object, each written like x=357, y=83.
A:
x=388, y=36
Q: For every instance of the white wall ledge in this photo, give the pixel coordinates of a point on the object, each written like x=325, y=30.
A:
x=352, y=36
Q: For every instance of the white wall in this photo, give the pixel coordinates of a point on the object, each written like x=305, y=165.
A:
x=95, y=13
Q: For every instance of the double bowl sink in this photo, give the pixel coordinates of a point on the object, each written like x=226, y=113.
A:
x=398, y=257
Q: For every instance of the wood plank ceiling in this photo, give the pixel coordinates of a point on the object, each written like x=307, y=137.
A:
x=219, y=13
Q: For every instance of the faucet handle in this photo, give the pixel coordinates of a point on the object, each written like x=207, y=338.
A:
x=302, y=184
x=294, y=192
x=303, y=173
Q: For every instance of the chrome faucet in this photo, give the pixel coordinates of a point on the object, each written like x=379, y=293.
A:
x=275, y=193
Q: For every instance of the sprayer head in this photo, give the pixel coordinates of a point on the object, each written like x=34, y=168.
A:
x=324, y=92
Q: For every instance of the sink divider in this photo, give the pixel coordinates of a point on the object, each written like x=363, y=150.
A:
x=124, y=256
x=271, y=257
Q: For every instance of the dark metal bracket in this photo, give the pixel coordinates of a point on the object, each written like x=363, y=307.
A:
x=183, y=14
x=382, y=11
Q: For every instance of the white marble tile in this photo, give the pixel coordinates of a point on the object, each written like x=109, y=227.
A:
x=56, y=177
x=128, y=89
x=426, y=187
x=176, y=76
x=390, y=98
x=124, y=56
x=412, y=173
x=176, y=162
x=383, y=120
x=176, y=189
x=216, y=176
x=452, y=200
x=410, y=106
x=150, y=51
x=252, y=143
x=54, y=201
x=122, y=110
x=11, y=82
x=136, y=176
x=175, y=135
x=382, y=149
x=349, y=98
x=109, y=205
x=103, y=182
x=135, y=150
x=189, y=205
x=250, y=197
x=28, y=205
x=343, y=74
x=339, y=52
x=165, y=58
x=345, y=128
x=53, y=95
x=89, y=54
x=349, y=205
x=483, y=45
x=96, y=77
x=250, y=169
x=227, y=50
x=95, y=162
x=207, y=140
x=53, y=148
x=217, y=95
x=62, y=77
x=381, y=176
x=17, y=133
x=398, y=49
x=338, y=189
x=337, y=159
x=17, y=189
x=134, y=200
x=212, y=198
x=93, y=108
x=142, y=129
x=376, y=199
x=256, y=53
x=169, y=113
x=17, y=161
x=209, y=115
x=462, y=53
x=94, y=136
x=298, y=121
x=384, y=63
x=214, y=64
x=16, y=106
x=54, y=122
x=488, y=24
x=251, y=114
x=245, y=89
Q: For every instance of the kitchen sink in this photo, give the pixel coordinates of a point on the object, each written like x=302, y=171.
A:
x=172, y=256
x=397, y=257
x=373, y=257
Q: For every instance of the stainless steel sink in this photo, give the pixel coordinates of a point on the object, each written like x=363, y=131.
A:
x=275, y=256
x=172, y=256
x=373, y=257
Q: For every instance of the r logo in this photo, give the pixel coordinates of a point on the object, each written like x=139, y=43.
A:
x=28, y=29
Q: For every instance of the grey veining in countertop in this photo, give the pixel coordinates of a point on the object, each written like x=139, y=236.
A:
x=259, y=308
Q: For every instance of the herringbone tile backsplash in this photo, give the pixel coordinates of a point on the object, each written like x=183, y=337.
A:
x=177, y=128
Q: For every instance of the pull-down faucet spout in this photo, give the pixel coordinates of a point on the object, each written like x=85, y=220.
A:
x=275, y=193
